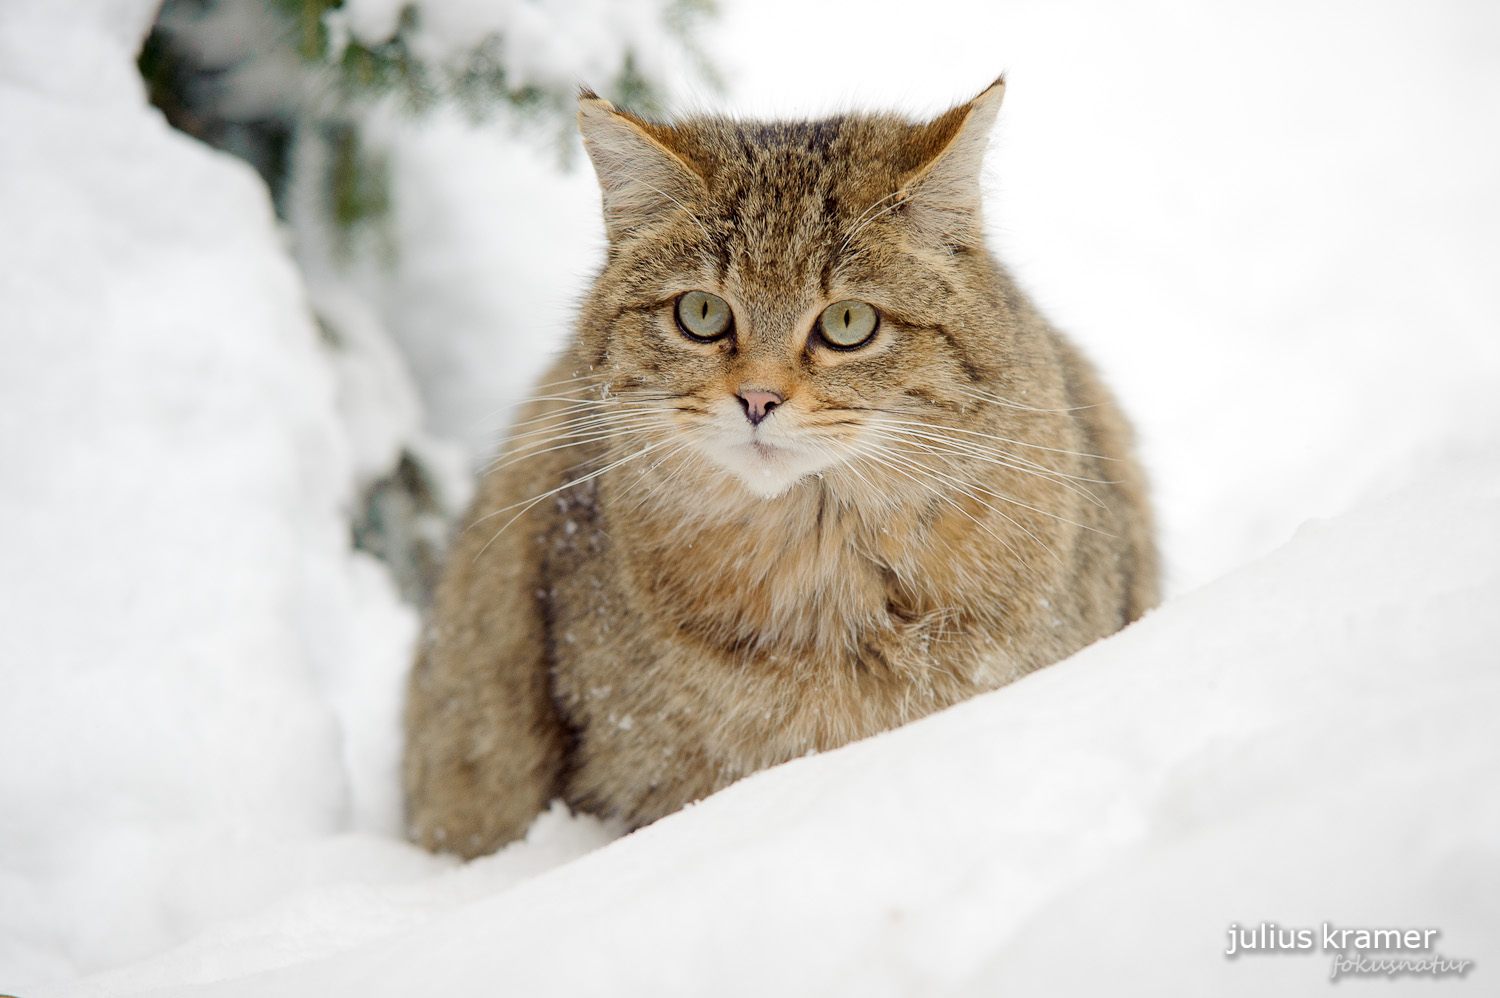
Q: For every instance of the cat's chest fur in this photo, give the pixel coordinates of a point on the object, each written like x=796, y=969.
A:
x=693, y=651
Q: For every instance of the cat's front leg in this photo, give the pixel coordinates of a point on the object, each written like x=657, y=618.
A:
x=485, y=746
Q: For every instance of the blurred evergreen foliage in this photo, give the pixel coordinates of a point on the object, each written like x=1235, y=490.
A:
x=254, y=77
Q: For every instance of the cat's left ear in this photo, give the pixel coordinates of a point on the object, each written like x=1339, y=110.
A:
x=944, y=196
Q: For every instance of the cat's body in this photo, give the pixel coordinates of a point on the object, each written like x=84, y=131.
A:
x=703, y=555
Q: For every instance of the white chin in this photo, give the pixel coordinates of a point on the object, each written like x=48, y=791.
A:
x=767, y=471
x=768, y=485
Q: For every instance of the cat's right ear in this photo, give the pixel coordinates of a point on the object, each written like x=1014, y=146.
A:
x=640, y=177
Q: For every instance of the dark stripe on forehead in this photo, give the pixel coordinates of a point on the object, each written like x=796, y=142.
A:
x=830, y=214
x=779, y=162
x=759, y=139
x=747, y=148
x=820, y=139
x=823, y=135
x=726, y=229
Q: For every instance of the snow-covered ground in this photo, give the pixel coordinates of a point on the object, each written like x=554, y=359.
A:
x=1307, y=740
x=1274, y=225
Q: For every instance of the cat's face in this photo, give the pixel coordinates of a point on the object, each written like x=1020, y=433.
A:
x=780, y=292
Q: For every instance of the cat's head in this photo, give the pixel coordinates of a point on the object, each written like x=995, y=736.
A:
x=775, y=289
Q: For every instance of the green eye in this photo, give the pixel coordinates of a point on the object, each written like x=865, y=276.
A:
x=703, y=316
x=848, y=324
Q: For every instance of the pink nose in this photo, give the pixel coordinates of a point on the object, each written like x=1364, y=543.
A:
x=758, y=404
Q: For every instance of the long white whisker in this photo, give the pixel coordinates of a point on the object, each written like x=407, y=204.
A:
x=936, y=432
x=1007, y=440
x=576, y=405
x=932, y=443
x=576, y=428
x=542, y=441
x=527, y=504
x=572, y=441
x=570, y=424
x=591, y=378
x=983, y=396
x=963, y=489
x=964, y=486
x=884, y=461
x=652, y=492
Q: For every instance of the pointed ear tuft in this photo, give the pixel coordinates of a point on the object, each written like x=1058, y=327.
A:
x=944, y=196
x=640, y=176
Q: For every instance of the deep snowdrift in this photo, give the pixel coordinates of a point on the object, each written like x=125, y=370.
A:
x=199, y=680
x=1308, y=740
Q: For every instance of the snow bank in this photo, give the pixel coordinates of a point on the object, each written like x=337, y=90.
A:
x=1308, y=740
x=200, y=680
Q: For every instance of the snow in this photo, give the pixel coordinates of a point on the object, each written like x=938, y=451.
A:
x=1275, y=227
x=200, y=679
x=1306, y=740
x=495, y=236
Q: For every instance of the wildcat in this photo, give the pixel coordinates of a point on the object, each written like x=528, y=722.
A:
x=810, y=467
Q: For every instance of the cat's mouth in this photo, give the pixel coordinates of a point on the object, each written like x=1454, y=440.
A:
x=767, y=459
